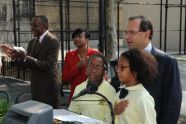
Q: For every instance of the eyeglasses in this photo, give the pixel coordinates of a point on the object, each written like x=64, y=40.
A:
x=96, y=67
x=120, y=68
x=131, y=33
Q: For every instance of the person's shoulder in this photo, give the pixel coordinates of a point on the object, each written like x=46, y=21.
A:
x=162, y=55
x=92, y=50
x=142, y=94
x=52, y=37
x=71, y=53
x=32, y=40
x=108, y=85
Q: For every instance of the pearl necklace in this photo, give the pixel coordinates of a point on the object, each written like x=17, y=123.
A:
x=82, y=59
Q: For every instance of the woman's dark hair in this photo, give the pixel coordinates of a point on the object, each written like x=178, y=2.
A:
x=143, y=64
x=79, y=31
x=145, y=24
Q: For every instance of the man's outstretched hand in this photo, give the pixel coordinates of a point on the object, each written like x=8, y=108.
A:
x=12, y=52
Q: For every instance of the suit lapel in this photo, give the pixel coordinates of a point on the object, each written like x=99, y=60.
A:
x=154, y=51
x=157, y=53
x=37, y=47
x=45, y=39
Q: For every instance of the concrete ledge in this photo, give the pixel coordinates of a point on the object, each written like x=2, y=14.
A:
x=180, y=57
x=182, y=119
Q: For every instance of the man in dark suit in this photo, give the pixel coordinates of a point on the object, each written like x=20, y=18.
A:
x=166, y=89
x=41, y=57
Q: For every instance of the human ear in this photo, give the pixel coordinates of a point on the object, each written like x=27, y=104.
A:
x=147, y=33
x=134, y=74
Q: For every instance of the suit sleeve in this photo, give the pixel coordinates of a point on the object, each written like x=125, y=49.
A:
x=49, y=61
x=69, y=71
x=172, y=94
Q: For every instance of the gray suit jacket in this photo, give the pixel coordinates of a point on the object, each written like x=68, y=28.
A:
x=42, y=59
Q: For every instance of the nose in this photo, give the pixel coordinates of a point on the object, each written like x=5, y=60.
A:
x=76, y=40
x=93, y=69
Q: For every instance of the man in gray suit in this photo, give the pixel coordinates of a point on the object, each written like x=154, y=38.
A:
x=41, y=57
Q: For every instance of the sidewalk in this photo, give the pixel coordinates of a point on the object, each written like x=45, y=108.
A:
x=180, y=57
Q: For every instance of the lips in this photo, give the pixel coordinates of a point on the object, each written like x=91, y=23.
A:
x=77, y=42
x=129, y=43
x=93, y=77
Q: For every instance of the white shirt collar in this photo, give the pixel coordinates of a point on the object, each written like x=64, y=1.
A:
x=42, y=36
x=148, y=48
x=99, y=87
x=135, y=87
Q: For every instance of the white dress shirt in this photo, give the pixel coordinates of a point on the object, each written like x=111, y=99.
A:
x=148, y=48
x=42, y=36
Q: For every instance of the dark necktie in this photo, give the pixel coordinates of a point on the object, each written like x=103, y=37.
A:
x=123, y=93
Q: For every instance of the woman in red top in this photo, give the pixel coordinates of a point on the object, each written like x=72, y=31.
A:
x=76, y=60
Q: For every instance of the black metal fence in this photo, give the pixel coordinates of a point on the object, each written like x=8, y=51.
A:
x=19, y=73
x=65, y=16
x=8, y=70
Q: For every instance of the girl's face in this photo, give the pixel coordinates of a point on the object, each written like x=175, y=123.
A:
x=124, y=74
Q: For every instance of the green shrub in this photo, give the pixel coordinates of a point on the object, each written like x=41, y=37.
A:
x=4, y=106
